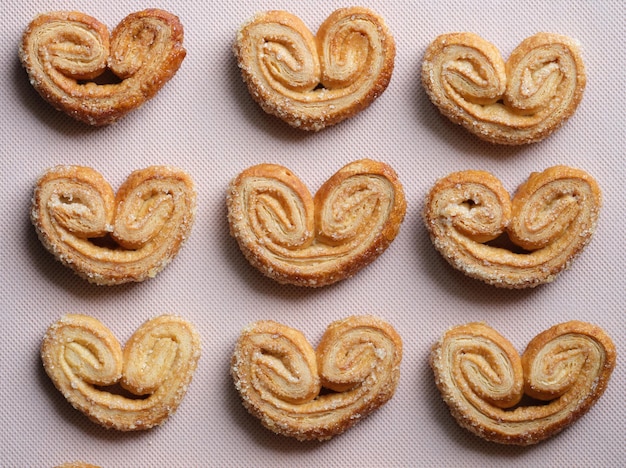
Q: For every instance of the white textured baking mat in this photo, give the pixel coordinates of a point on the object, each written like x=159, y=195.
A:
x=204, y=121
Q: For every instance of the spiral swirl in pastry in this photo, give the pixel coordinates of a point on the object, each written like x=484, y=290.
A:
x=482, y=379
x=111, y=239
x=522, y=101
x=64, y=52
x=309, y=81
x=279, y=376
x=83, y=358
x=295, y=238
x=551, y=217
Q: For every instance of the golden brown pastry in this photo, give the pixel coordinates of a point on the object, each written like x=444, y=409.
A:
x=84, y=360
x=309, y=81
x=551, y=219
x=482, y=379
x=279, y=376
x=111, y=239
x=64, y=53
x=521, y=101
x=294, y=238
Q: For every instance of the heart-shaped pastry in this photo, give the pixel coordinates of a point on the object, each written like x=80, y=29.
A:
x=309, y=81
x=65, y=52
x=295, y=238
x=279, y=375
x=85, y=361
x=111, y=239
x=550, y=219
x=522, y=101
x=482, y=378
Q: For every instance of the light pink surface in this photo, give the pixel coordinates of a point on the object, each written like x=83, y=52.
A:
x=205, y=122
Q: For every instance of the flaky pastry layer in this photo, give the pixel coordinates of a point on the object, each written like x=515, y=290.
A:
x=110, y=238
x=65, y=53
x=280, y=376
x=298, y=239
x=521, y=101
x=309, y=81
x=563, y=371
x=551, y=218
x=84, y=360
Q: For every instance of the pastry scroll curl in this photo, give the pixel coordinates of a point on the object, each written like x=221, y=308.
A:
x=309, y=81
x=522, y=101
x=66, y=52
x=551, y=219
x=481, y=377
x=111, y=239
x=84, y=359
x=295, y=238
x=279, y=376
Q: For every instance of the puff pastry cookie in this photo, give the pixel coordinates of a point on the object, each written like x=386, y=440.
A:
x=110, y=238
x=295, y=238
x=279, y=376
x=550, y=219
x=521, y=101
x=84, y=360
x=481, y=377
x=66, y=54
x=309, y=81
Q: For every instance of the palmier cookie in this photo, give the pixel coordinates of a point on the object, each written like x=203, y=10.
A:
x=110, y=238
x=83, y=358
x=309, y=81
x=66, y=54
x=481, y=377
x=550, y=219
x=295, y=238
x=279, y=375
x=521, y=101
